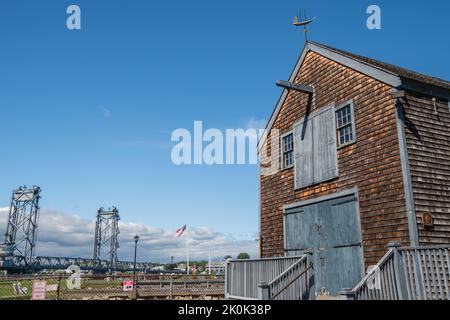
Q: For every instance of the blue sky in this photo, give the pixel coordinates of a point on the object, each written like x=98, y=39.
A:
x=87, y=115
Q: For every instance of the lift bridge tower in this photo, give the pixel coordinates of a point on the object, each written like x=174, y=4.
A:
x=21, y=231
x=106, y=235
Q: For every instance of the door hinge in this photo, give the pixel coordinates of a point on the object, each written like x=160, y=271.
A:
x=301, y=249
x=358, y=244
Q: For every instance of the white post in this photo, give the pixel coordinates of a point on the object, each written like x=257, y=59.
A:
x=209, y=263
x=187, y=255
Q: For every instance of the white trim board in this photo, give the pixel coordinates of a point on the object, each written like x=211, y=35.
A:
x=321, y=199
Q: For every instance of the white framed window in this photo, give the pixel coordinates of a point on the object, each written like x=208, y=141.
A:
x=345, y=124
x=287, y=148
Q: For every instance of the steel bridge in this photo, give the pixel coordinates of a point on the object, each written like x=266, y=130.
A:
x=62, y=263
x=20, y=241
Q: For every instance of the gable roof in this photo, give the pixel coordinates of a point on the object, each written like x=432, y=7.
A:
x=399, y=71
x=395, y=76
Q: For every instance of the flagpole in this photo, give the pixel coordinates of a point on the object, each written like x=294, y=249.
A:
x=209, y=263
x=187, y=255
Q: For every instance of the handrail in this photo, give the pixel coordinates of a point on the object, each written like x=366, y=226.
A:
x=243, y=277
x=287, y=271
x=369, y=275
x=265, y=259
x=434, y=247
x=291, y=282
x=407, y=273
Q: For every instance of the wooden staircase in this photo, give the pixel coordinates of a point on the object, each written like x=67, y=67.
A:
x=414, y=273
x=404, y=273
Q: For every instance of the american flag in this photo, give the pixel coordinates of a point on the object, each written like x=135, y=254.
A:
x=180, y=231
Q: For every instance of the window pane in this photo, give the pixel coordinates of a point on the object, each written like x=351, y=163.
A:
x=341, y=137
x=288, y=143
x=345, y=134
x=287, y=161
x=344, y=116
x=288, y=147
x=344, y=125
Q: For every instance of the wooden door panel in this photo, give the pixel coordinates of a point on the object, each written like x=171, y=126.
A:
x=331, y=230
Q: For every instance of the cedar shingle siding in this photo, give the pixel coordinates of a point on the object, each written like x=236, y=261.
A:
x=428, y=141
x=373, y=163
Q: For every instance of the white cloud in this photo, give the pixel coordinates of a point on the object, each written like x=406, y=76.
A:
x=256, y=124
x=105, y=112
x=64, y=235
x=144, y=144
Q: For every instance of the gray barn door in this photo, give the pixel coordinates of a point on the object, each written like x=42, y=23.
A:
x=331, y=231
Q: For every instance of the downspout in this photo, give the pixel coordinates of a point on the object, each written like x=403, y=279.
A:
x=260, y=240
x=407, y=183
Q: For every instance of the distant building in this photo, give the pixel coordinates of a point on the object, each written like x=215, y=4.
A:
x=181, y=267
x=216, y=267
x=158, y=268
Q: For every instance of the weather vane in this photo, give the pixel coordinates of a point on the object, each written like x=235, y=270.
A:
x=301, y=21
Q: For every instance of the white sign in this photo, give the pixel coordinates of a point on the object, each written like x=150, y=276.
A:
x=39, y=290
x=128, y=285
x=52, y=287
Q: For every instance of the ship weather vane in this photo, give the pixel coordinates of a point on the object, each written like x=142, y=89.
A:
x=300, y=20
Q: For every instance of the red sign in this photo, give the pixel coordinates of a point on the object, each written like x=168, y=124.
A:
x=39, y=290
x=128, y=285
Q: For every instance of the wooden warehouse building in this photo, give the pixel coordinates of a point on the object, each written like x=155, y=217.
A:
x=364, y=153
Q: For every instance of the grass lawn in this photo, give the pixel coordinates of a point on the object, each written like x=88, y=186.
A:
x=88, y=287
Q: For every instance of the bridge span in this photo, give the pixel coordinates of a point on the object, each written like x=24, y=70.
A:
x=19, y=263
x=17, y=252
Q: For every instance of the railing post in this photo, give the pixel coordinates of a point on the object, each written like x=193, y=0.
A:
x=58, y=290
x=418, y=276
x=399, y=270
x=310, y=261
x=171, y=287
x=263, y=291
x=228, y=281
x=347, y=294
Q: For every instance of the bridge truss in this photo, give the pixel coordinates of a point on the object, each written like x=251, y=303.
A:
x=21, y=230
x=106, y=236
x=17, y=253
x=19, y=263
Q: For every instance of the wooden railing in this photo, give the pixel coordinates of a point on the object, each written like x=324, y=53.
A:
x=292, y=284
x=372, y=288
x=416, y=273
x=244, y=278
x=427, y=272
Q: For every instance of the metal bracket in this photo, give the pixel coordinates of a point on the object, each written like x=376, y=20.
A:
x=397, y=94
x=295, y=86
x=359, y=244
